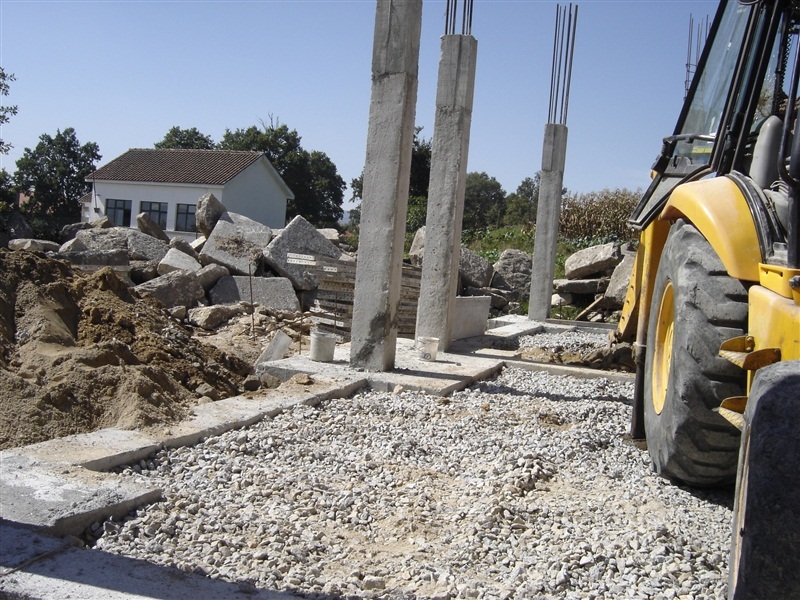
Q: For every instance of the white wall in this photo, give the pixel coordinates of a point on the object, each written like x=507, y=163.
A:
x=151, y=192
x=256, y=194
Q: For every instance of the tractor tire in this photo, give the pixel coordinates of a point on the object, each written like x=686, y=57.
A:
x=696, y=306
x=764, y=561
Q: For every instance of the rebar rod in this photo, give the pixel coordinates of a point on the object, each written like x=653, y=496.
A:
x=553, y=69
x=451, y=17
x=574, y=21
x=561, y=67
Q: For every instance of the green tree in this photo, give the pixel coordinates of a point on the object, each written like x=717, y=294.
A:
x=7, y=192
x=419, y=180
x=189, y=139
x=318, y=188
x=420, y=166
x=521, y=205
x=6, y=112
x=484, y=203
x=54, y=175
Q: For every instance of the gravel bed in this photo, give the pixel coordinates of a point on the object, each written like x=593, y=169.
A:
x=578, y=340
x=520, y=487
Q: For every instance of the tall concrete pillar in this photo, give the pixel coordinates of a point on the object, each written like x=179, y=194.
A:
x=551, y=183
x=395, y=60
x=449, y=152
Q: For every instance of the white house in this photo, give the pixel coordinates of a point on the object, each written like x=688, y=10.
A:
x=166, y=185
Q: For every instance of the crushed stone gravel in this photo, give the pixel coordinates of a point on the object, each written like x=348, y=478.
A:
x=578, y=340
x=518, y=487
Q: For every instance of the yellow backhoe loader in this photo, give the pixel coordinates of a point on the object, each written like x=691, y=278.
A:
x=713, y=307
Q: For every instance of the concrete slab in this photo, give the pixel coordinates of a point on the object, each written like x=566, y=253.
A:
x=210, y=274
x=177, y=260
x=33, y=245
x=61, y=499
x=499, y=341
x=97, y=451
x=21, y=545
x=470, y=316
x=236, y=243
x=273, y=292
x=176, y=288
x=299, y=237
x=449, y=373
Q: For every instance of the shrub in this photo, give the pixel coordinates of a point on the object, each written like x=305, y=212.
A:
x=490, y=243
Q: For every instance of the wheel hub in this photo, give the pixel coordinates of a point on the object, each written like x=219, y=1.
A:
x=662, y=359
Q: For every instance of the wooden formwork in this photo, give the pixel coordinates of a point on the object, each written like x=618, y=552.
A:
x=333, y=306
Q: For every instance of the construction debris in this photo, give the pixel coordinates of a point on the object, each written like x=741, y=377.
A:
x=132, y=331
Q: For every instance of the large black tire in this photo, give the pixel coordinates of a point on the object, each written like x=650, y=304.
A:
x=765, y=562
x=696, y=306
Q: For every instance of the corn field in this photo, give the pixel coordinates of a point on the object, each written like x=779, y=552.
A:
x=598, y=217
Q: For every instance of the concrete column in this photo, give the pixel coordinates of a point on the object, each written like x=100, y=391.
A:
x=551, y=183
x=395, y=60
x=449, y=152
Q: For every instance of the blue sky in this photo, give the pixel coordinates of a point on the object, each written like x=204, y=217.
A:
x=123, y=72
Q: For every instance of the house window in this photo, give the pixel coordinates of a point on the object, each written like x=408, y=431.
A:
x=119, y=212
x=184, y=218
x=157, y=211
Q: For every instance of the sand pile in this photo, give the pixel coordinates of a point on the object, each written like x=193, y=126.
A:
x=79, y=352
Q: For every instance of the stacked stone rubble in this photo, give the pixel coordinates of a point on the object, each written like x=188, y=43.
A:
x=234, y=264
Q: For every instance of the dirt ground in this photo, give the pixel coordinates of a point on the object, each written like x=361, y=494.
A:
x=80, y=352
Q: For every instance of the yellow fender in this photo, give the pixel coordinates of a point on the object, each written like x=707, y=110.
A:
x=720, y=212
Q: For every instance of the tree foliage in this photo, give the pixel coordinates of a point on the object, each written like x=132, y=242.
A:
x=54, y=174
x=6, y=112
x=420, y=165
x=7, y=193
x=419, y=180
x=188, y=139
x=521, y=205
x=484, y=202
x=312, y=176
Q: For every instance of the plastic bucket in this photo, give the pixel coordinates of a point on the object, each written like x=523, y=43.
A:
x=322, y=346
x=427, y=348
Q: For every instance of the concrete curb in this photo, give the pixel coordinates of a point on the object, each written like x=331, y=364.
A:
x=60, y=487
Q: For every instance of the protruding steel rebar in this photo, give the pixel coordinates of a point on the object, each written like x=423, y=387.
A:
x=451, y=16
x=574, y=25
x=694, y=49
x=553, y=67
x=561, y=70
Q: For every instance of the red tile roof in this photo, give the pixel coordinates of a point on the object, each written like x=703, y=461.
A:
x=202, y=167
